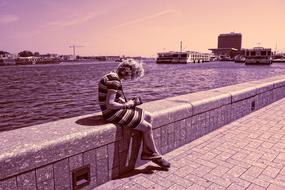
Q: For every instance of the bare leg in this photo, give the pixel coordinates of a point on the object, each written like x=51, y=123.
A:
x=148, y=141
x=148, y=118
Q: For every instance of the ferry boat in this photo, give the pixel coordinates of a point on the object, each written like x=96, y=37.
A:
x=239, y=59
x=174, y=57
x=225, y=58
x=258, y=56
x=279, y=58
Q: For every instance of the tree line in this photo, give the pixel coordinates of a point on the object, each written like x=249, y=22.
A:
x=24, y=53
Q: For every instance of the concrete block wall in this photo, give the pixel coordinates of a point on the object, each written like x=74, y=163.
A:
x=44, y=156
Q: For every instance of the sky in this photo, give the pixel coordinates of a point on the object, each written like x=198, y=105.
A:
x=137, y=28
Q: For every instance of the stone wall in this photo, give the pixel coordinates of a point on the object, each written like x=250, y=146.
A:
x=45, y=156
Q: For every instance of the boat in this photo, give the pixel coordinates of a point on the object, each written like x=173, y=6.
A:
x=225, y=58
x=239, y=59
x=279, y=58
x=258, y=56
x=179, y=57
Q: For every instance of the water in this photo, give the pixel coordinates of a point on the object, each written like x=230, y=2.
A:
x=36, y=94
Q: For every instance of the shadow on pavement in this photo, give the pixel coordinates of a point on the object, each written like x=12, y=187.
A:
x=146, y=170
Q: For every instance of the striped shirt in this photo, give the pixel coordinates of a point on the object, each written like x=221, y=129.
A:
x=129, y=117
x=109, y=81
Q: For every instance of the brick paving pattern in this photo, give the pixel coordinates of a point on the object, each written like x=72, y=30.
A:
x=246, y=154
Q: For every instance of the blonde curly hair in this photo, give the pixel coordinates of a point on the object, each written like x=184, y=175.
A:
x=134, y=67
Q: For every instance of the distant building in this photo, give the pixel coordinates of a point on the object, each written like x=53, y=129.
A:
x=231, y=40
x=4, y=54
x=68, y=57
x=7, y=58
x=229, y=45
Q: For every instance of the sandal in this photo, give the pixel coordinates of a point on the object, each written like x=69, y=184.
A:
x=162, y=162
x=150, y=156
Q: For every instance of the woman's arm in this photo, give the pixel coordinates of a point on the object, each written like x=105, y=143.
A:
x=111, y=104
x=122, y=100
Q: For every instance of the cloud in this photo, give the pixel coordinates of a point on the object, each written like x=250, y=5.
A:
x=6, y=19
x=75, y=20
x=150, y=17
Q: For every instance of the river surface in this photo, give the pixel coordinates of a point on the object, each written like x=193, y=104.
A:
x=34, y=94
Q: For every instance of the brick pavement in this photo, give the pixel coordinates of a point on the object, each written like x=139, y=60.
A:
x=246, y=154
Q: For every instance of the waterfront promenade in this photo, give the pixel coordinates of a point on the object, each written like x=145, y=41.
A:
x=248, y=153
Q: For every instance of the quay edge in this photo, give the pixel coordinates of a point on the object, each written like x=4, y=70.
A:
x=46, y=155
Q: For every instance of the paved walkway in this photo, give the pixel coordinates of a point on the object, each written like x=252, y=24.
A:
x=246, y=154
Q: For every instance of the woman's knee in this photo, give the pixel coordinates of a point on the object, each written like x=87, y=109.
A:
x=144, y=127
x=148, y=117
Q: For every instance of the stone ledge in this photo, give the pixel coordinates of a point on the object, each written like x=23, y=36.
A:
x=26, y=149
x=239, y=92
x=167, y=110
x=277, y=81
x=206, y=100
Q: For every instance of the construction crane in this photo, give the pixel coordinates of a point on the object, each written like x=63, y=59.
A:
x=73, y=47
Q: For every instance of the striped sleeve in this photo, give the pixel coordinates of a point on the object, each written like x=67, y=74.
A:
x=113, y=82
x=115, y=85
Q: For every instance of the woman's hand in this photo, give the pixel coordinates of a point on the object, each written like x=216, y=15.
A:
x=130, y=104
x=112, y=104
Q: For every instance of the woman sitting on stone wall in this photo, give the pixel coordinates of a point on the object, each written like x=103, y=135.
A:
x=116, y=108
